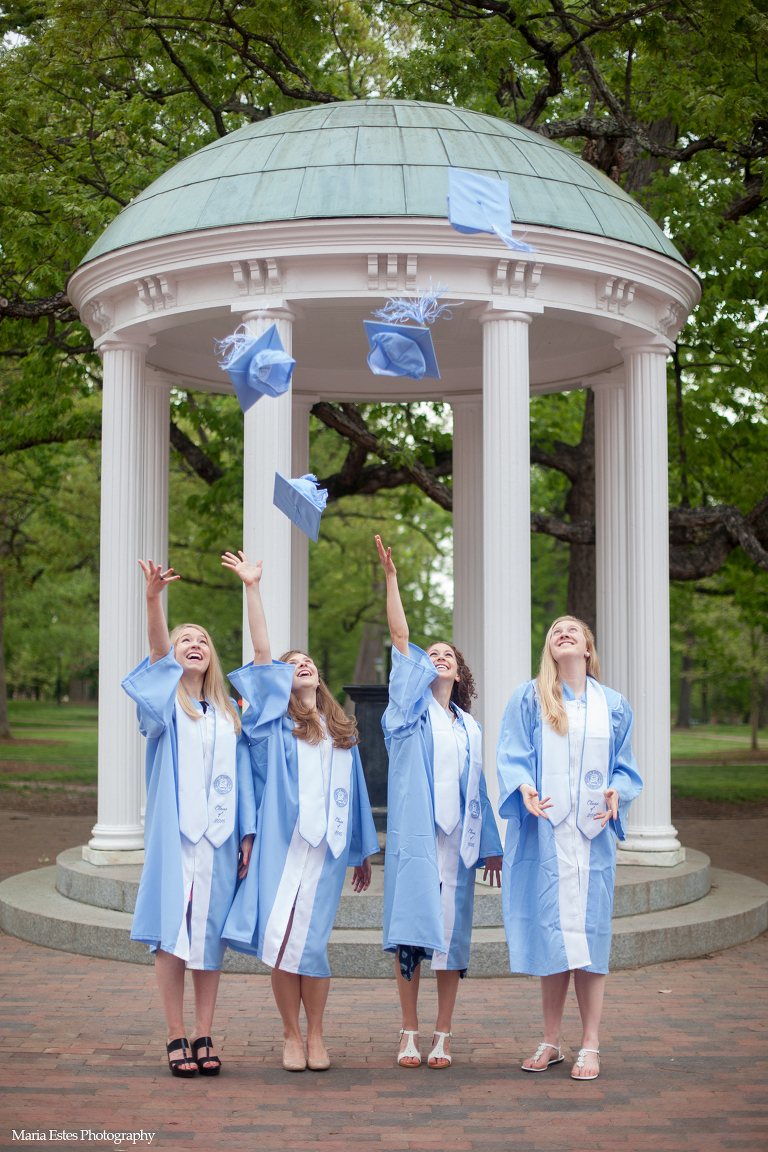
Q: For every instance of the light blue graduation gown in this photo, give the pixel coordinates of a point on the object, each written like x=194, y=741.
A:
x=160, y=905
x=531, y=877
x=413, y=907
x=274, y=760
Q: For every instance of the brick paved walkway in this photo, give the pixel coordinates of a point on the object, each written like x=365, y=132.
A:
x=684, y=1069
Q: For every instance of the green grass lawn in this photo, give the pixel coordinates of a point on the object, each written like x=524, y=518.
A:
x=72, y=732
x=715, y=742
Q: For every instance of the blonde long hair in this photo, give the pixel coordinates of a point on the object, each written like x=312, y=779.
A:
x=548, y=684
x=214, y=684
x=309, y=727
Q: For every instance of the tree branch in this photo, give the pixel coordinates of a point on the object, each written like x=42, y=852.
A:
x=205, y=468
x=350, y=425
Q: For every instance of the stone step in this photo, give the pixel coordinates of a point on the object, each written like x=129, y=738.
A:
x=638, y=889
x=735, y=910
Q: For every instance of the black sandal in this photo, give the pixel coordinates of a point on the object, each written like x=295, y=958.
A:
x=205, y=1042
x=175, y=1065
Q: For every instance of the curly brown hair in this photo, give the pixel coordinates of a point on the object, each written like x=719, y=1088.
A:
x=463, y=691
x=309, y=727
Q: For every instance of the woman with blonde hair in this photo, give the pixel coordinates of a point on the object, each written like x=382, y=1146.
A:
x=567, y=776
x=314, y=820
x=201, y=812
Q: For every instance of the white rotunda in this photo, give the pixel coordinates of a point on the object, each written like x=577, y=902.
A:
x=313, y=218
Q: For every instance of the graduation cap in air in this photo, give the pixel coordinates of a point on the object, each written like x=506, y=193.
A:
x=399, y=348
x=302, y=502
x=481, y=204
x=257, y=365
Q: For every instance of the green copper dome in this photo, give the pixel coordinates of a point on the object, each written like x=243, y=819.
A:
x=377, y=158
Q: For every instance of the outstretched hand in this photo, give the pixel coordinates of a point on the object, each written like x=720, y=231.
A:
x=535, y=806
x=155, y=577
x=612, y=806
x=361, y=876
x=242, y=567
x=386, y=558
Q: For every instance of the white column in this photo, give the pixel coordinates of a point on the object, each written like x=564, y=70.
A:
x=157, y=419
x=118, y=836
x=506, y=521
x=299, y=540
x=611, y=534
x=266, y=530
x=651, y=838
x=468, y=536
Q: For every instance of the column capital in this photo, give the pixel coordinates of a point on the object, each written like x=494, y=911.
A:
x=643, y=342
x=302, y=400
x=279, y=312
x=470, y=400
x=492, y=311
x=119, y=344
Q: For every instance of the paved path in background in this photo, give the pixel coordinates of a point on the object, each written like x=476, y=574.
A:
x=685, y=1064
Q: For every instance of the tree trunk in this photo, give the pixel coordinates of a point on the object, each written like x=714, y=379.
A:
x=580, y=505
x=684, y=703
x=370, y=655
x=754, y=710
x=755, y=688
x=5, y=728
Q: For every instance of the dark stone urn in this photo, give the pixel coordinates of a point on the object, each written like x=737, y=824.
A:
x=370, y=703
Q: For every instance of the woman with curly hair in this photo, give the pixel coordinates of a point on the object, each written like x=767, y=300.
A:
x=440, y=824
x=314, y=820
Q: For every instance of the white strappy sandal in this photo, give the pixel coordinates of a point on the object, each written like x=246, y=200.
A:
x=439, y=1053
x=410, y=1052
x=540, y=1052
x=581, y=1060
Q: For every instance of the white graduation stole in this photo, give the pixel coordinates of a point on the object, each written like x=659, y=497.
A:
x=592, y=772
x=446, y=769
x=338, y=805
x=473, y=815
x=313, y=821
x=212, y=815
x=222, y=795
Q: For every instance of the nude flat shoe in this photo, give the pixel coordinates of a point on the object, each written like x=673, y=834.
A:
x=293, y=1065
x=321, y=1065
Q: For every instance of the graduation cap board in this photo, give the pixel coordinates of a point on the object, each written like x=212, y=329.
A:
x=481, y=204
x=401, y=350
x=302, y=502
x=257, y=365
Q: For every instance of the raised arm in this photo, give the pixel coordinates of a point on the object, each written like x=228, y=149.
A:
x=157, y=627
x=250, y=574
x=398, y=625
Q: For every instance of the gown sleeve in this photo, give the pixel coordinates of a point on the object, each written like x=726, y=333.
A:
x=153, y=687
x=364, y=841
x=625, y=777
x=409, y=681
x=246, y=797
x=515, y=753
x=490, y=841
x=267, y=690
